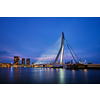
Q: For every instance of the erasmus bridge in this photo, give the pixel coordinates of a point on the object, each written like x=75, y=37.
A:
x=61, y=53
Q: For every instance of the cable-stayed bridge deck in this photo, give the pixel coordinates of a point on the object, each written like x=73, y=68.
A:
x=70, y=66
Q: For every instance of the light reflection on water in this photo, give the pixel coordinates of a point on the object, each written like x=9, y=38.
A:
x=56, y=69
x=61, y=76
x=40, y=75
x=11, y=74
x=85, y=73
x=73, y=75
x=48, y=76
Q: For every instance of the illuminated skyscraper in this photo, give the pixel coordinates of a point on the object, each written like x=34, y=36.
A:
x=23, y=61
x=16, y=60
x=28, y=61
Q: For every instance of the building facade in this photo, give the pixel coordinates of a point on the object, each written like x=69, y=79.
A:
x=23, y=61
x=28, y=61
x=16, y=60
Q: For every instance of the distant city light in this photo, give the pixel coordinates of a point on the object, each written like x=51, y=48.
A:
x=11, y=62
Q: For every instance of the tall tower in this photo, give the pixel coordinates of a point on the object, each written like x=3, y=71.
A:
x=60, y=51
x=23, y=61
x=16, y=60
x=28, y=61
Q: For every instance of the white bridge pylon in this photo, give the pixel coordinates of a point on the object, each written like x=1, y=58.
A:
x=61, y=51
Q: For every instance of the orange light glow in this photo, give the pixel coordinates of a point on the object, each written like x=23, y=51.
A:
x=56, y=69
x=85, y=70
x=51, y=69
x=35, y=66
x=73, y=70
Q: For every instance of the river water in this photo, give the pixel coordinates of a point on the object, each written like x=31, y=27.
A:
x=49, y=76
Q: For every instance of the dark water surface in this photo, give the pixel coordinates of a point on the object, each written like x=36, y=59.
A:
x=48, y=76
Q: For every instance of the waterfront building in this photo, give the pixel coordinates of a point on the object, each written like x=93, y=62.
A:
x=0, y=64
x=51, y=63
x=16, y=60
x=5, y=64
x=28, y=61
x=71, y=61
x=32, y=64
x=23, y=61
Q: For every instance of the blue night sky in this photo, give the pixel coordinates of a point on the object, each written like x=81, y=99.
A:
x=34, y=37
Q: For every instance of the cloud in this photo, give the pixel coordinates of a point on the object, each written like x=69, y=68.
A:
x=45, y=57
x=4, y=53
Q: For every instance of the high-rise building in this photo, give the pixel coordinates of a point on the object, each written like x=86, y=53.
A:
x=16, y=60
x=23, y=61
x=32, y=64
x=28, y=61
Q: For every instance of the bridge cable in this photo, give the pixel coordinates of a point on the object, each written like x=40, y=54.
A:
x=72, y=50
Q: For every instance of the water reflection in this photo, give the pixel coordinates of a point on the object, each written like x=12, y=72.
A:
x=73, y=75
x=48, y=76
x=40, y=75
x=85, y=70
x=51, y=73
x=80, y=69
x=73, y=71
x=47, y=69
x=61, y=76
x=56, y=69
x=11, y=74
x=51, y=69
x=8, y=69
x=85, y=74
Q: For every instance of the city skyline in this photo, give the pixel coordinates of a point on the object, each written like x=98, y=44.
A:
x=32, y=37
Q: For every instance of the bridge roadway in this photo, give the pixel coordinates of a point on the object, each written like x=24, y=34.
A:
x=70, y=66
